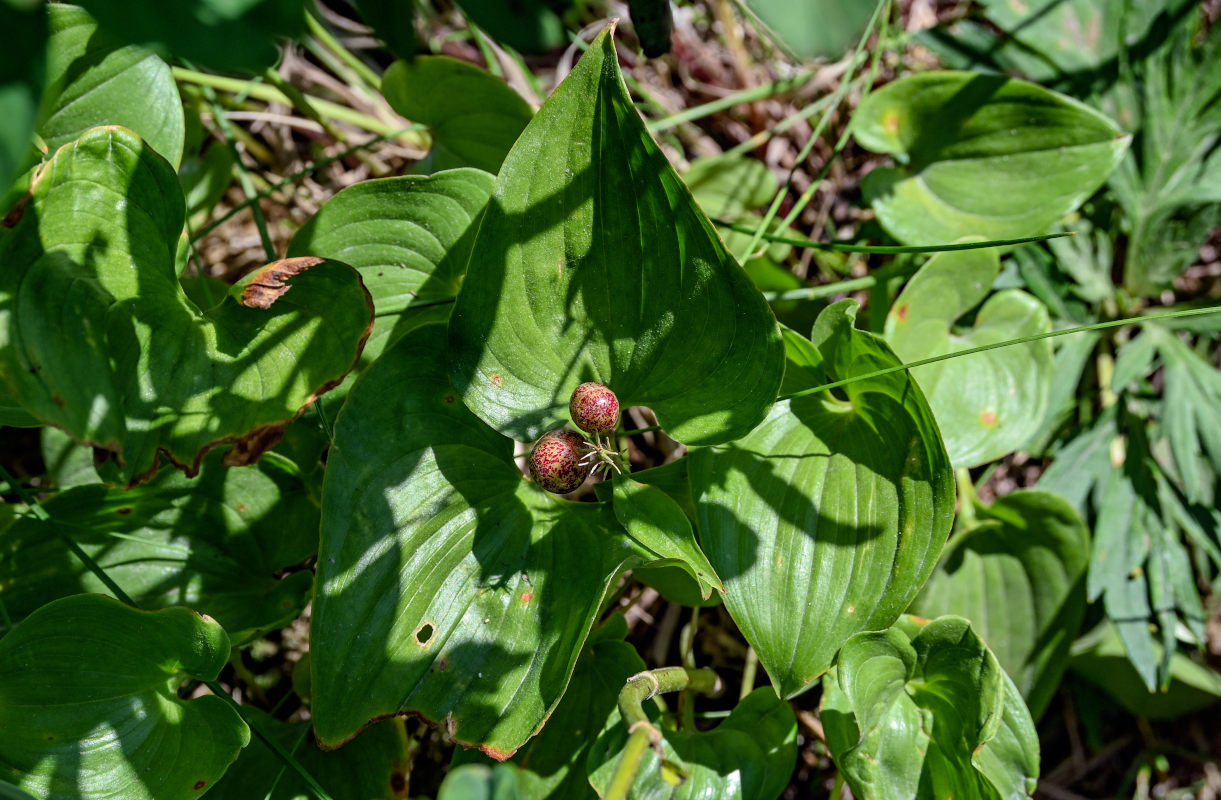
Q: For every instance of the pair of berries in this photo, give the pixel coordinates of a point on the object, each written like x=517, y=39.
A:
x=562, y=459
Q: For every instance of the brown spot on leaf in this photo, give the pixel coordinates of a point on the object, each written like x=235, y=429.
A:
x=16, y=212
x=449, y=398
x=123, y=510
x=497, y=380
x=58, y=399
x=890, y=120
x=526, y=597
x=901, y=312
x=241, y=508
x=271, y=282
x=499, y=755
x=442, y=664
x=988, y=418
x=200, y=784
x=249, y=448
x=398, y=783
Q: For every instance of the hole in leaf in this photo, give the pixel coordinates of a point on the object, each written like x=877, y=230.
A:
x=424, y=633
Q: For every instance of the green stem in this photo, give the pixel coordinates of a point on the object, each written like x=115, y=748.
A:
x=641, y=731
x=324, y=35
x=967, y=499
x=877, y=373
x=269, y=94
x=887, y=249
x=829, y=289
x=750, y=95
x=749, y=671
x=641, y=430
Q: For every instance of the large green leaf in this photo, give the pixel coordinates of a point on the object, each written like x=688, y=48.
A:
x=532, y=26
x=97, y=337
x=217, y=33
x=925, y=710
x=93, y=79
x=988, y=404
x=474, y=117
x=480, y=782
x=409, y=237
x=1019, y=576
x=552, y=764
x=593, y=263
x=89, y=707
x=447, y=585
x=749, y=756
x=828, y=518
x=814, y=28
x=374, y=766
x=22, y=72
x=393, y=22
x=215, y=543
x=981, y=155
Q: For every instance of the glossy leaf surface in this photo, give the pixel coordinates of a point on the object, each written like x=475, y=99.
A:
x=94, y=79
x=215, y=543
x=216, y=33
x=1018, y=575
x=97, y=337
x=987, y=404
x=827, y=518
x=981, y=155
x=749, y=756
x=552, y=764
x=409, y=237
x=90, y=704
x=447, y=584
x=814, y=28
x=593, y=263
x=925, y=710
x=473, y=117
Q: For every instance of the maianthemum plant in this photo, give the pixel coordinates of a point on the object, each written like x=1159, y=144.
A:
x=436, y=335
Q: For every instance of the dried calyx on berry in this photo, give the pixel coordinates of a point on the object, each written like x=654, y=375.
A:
x=594, y=409
x=557, y=461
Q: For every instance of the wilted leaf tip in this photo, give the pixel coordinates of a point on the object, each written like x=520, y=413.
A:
x=271, y=282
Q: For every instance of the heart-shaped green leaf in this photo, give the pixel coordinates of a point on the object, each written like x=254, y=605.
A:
x=217, y=33
x=658, y=523
x=22, y=72
x=828, y=518
x=552, y=764
x=447, y=585
x=216, y=543
x=593, y=263
x=93, y=80
x=925, y=710
x=90, y=707
x=1019, y=576
x=981, y=155
x=987, y=404
x=409, y=237
x=473, y=117
x=97, y=337
x=749, y=756
x=374, y=766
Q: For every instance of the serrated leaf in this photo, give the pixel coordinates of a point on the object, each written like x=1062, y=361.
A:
x=749, y=756
x=447, y=585
x=1192, y=395
x=217, y=33
x=90, y=708
x=987, y=404
x=410, y=239
x=1019, y=576
x=929, y=715
x=376, y=765
x=981, y=155
x=593, y=263
x=97, y=337
x=658, y=524
x=216, y=543
x=827, y=518
x=93, y=79
x=474, y=118
x=552, y=764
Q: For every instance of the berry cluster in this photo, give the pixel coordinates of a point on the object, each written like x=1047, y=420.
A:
x=561, y=459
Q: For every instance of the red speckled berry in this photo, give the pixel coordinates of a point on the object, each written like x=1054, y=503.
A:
x=555, y=461
x=594, y=408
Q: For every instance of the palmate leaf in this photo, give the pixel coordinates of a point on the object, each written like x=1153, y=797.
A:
x=593, y=263
x=924, y=709
x=89, y=707
x=216, y=543
x=827, y=518
x=97, y=337
x=981, y=155
x=988, y=404
x=447, y=585
x=1019, y=576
